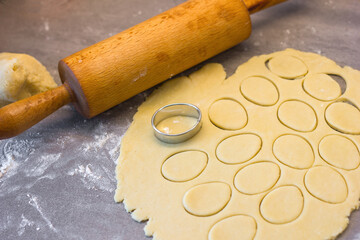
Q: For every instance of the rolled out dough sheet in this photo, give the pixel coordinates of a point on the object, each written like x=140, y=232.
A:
x=277, y=156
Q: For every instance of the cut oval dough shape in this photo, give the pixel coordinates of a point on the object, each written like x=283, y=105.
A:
x=259, y=90
x=297, y=115
x=343, y=117
x=239, y=148
x=293, y=151
x=282, y=205
x=207, y=199
x=321, y=86
x=184, y=166
x=228, y=114
x=287, y=66
x=257, y=177
x=238, y=227
x=22, y=76
x=326, y=184
x=340, y=152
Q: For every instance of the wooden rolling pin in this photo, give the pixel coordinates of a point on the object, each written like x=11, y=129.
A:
x=113, y=70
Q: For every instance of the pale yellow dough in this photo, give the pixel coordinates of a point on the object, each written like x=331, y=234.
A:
x=22, y=76
x=270, y=163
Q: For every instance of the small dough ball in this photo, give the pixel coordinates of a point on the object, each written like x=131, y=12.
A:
x=22, y=76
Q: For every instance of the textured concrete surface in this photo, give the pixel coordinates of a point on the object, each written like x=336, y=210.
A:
x=58, y=177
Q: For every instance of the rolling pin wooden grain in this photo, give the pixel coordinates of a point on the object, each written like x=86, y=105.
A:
x=113, y=70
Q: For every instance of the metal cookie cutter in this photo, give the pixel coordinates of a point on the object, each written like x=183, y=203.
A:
x=172, y=110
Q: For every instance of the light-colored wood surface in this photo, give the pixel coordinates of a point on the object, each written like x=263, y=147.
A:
x=21, y=115
x=132, y=61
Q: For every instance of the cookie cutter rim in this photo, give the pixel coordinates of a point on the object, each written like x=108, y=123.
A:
x=179, y=137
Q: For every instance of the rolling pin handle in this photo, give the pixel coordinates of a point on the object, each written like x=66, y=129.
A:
x=21, y=115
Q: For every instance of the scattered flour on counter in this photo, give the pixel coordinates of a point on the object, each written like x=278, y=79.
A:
x=97, y=172
x=41, y=164
x=84, y=171
x=99, y=142
x=313, y=30
x=4, y=166
x=109, y=142
x=12, y=150
x=284, y=43
x=93, y=178
x=331, y=4
x=23, y=224
x=137, y=14
x=356, y=236
x=46, y=26
x=33, y=201
x=30, y=184
x=114, y=152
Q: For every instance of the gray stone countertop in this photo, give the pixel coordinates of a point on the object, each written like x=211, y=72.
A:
x=58, y=177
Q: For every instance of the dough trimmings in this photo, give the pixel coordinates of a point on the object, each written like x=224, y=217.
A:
x=289, y=170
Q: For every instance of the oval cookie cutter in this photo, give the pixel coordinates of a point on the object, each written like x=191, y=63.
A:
x=172, y=110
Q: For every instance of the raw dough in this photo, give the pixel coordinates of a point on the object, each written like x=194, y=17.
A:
x=297, y=115
x=207, y=199
x=293, y=151
x=257, y=177
x=279, y=165
x=233, y=227
x=340, y=152
x=22, y=76
x=184, y=166
x=228, y=114
x=282, y=205
x=238, y=149
x=322, y=87
x=260, y=91
x=344, y=117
